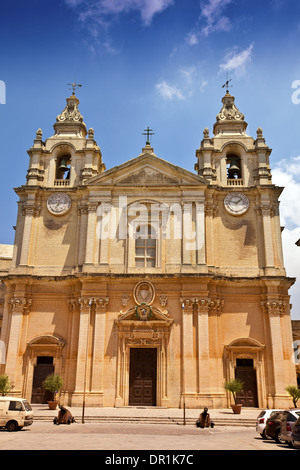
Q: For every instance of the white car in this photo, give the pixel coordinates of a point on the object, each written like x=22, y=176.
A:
x=15, y=413
x=262, y=420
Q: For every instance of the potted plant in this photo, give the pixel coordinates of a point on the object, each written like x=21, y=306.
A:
x=53, y=383
x=234, y=386
x=5, y=385
x=294, y=392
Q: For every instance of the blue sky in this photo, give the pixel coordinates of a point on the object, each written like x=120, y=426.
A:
x=157, y=63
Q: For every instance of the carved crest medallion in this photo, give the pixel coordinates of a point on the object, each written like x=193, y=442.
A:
x=144, y=293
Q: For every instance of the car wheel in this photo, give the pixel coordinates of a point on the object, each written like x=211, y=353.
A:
x=279, y=439
x=12, y=426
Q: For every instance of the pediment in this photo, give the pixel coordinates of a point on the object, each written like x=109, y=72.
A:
x=132, y=316
x=148, y=176
x=147, y=170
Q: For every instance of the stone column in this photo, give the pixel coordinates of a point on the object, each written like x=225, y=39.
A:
x=83, y=214
x=267, y=213
x=29, y=211
x=188, y=359
x=19, y=306
x=274, y=309
x=99, y=347
x=200, y=233
x=203, y=345
x=83, y=345
x=211, y=210
x=188, y=235
x=104, y=233
x=91, y=233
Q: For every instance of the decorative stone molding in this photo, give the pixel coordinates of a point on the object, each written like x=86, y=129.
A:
x=274, y=307
x=124, y=300
x=142, y=341
x=92, y=206
x=71, y=112
x=33, y=210
x=144, y=293
x=229, y=111
x=47, y=340
x=20, y=305
x=101, y=303
x=265, y=211
x=84, y=303
x=82, y=209
x=163, y=300
x=35, y=174
x=203, y=305
x=211, y=209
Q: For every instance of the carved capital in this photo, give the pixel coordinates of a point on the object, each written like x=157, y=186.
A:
x=20, y=305
x=32, y=210
x=85, y=303
x=101, y=303
x=211, y=209
x=274, y=307
x=92, y=206
x=187, y=304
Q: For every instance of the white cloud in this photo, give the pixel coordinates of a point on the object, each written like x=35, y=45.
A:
x=237, y=61
x=169, y=92
x=188, y=82
x=286, y=173
x=100, y=10
x=192, y=39
x=213, y=18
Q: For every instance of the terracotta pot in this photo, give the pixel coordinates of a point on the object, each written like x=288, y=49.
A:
x=236, y=409
x=52, y=405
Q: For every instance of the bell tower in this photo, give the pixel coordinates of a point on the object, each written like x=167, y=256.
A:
x=245, y=220
x=231, y=157
x=69, y=157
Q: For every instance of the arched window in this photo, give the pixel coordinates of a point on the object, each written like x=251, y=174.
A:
x=63, y=169
x=233, y=163
x=145, y=247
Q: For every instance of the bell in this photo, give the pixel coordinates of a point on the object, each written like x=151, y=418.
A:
x=233, y=168
x=63, y=165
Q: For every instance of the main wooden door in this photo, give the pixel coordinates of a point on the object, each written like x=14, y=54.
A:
x=43, y=368
x=246, y=373
x=142, y=376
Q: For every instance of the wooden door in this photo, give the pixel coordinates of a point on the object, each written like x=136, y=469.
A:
x=43, y=368
x=142, y=377
x=247, y=374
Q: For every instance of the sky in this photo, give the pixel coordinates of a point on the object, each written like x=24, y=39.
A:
x=156, y=63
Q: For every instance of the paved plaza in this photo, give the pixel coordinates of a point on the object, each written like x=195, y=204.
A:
x=118, y=433
x=107, y=437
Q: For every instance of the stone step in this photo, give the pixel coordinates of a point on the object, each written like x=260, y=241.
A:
x=246, y=422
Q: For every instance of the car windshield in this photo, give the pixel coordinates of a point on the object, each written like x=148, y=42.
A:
x=27, y=406
x=261, y=414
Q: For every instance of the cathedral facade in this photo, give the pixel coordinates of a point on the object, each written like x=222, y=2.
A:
x=147, y=284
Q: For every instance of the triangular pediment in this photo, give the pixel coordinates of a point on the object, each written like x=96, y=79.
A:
x=147, y=170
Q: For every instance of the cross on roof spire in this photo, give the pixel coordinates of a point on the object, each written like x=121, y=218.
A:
x=227, y=84
x=148, y=132
x=74, y=86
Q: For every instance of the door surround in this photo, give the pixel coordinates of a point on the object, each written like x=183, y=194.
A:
x=133, y=333
x=247, y=348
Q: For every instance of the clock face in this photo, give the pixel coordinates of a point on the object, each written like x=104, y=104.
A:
x=59, y=203
x=236, y=203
